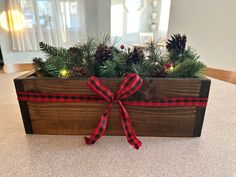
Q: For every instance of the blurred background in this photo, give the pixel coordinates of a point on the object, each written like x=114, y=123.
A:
x=210, y=26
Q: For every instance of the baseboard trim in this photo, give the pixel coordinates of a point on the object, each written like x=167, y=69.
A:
x=224, y=75
x=12, y=68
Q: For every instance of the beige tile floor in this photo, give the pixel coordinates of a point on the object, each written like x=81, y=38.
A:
x=212, y=155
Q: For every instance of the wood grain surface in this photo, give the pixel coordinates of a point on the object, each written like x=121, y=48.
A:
x=82, y=118
x=12, y=68
x=224, y=75
x=151, y=90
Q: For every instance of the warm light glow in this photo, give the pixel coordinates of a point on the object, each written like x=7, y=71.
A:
x=13, y=20
x=64, y=73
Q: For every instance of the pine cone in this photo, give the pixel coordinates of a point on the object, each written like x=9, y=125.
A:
x=103, y=53
x=76, y=55
x=176, y=44
x=136, y=56
x=160, y=73
x=74, y=50
x=81, y=71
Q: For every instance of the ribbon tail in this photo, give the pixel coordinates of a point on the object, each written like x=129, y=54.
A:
x=127, y=127
x=100, y=128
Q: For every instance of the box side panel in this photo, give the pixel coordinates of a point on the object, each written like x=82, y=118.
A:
x=81, y=118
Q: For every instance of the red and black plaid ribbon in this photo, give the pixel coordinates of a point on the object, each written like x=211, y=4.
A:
x=128, y=87
x=131, y=84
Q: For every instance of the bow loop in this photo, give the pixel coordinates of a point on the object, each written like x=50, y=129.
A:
x=128, y=87
x=97, y=87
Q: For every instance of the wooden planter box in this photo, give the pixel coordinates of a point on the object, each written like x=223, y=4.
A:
x=82, y=118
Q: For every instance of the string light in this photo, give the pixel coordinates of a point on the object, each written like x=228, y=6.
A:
x=64, y=73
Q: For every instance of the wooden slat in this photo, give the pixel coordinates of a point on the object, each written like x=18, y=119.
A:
x=82, y=118
x=152, y=89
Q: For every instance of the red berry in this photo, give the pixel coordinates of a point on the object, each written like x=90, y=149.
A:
x=167, y=65
x=122, y=46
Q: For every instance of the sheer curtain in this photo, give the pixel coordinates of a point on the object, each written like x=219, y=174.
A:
x=56, y=22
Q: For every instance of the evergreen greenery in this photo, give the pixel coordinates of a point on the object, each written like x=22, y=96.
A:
x=189, y=68
x=103, y=59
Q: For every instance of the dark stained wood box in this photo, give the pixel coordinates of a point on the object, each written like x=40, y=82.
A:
x=82, y=118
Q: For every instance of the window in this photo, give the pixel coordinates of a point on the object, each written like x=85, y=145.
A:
x=41, y=12
x=130, y=24
x=117, y=18
x=123, y=22
x=56, y=22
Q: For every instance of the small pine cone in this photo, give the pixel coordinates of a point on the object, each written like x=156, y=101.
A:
x=74, y=50
x=160, y=73
x=80, y=70
x=176, y=44
x=103, y=53
x=136, y=56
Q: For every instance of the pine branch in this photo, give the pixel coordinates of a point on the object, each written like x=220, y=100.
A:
x=44, y=69
x=155, y=54
x=145, y=69
x=115, y=41
x=115, y=67
x=189, y=53
x=187, y=69
x=108, y=69
x=38, y=63
x=52, y=70
x=88, y=49
x=106, y=39
x=50, y=50
x=103, y=60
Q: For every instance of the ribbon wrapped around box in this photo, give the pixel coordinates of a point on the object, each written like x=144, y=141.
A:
x=131, y=84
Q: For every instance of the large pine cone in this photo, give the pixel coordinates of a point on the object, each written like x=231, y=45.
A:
x=176, y=44
x=103, y=53
x=136, y=56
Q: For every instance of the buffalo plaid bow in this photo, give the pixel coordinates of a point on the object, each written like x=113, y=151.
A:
x=128, y=87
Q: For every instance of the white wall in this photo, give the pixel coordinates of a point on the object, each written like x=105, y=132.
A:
x=211, y=28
